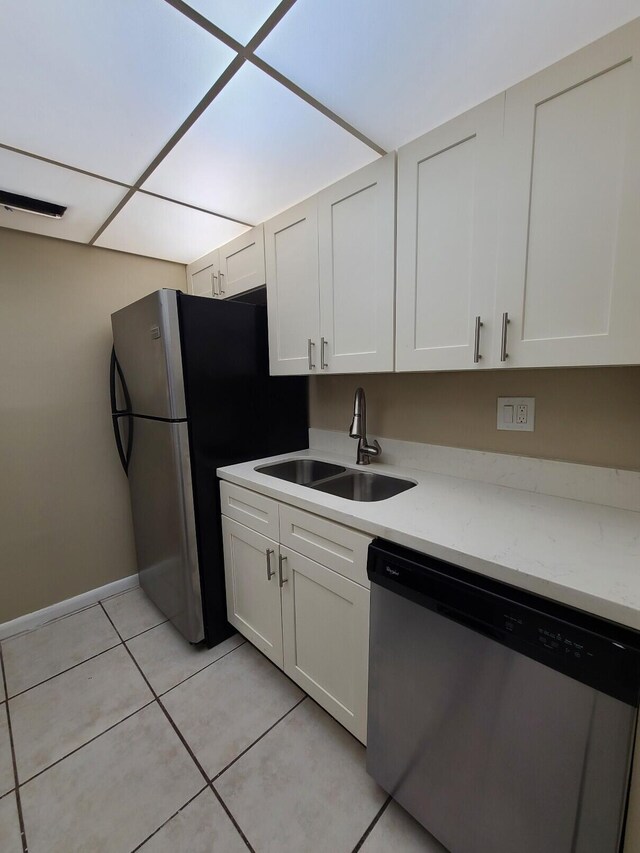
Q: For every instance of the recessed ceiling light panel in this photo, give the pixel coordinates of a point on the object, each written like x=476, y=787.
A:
x=24, y=204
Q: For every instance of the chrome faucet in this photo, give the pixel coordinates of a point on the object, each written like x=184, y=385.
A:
x=358, y=430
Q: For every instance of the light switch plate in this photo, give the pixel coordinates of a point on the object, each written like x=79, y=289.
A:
x=516, y=413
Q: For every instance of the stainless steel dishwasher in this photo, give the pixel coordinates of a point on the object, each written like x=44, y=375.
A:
x=504, y=722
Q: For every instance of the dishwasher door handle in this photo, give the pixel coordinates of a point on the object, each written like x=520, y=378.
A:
x=469, y=622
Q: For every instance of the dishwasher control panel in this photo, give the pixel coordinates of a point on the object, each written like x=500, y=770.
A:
x=581, y=645
x=563, y=640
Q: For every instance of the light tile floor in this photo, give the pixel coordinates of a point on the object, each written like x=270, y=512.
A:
x=122, y=737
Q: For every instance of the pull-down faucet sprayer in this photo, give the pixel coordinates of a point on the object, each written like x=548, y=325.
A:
x=358, y=430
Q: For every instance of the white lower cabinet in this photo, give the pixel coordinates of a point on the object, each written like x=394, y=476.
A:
x=325, y=625
x=309, y=619
x=253, y=594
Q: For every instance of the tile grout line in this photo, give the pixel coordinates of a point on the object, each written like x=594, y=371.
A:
x=63, y=671
x=253, y=743
x=55, y=619
x=86, y=743
x=227, y=811
x=184, y=742
x=127, y=717
x=86, y=660
x=369, y=829
x=169, y=819
x=206, y=666
x=23, y=836
x=146, y=630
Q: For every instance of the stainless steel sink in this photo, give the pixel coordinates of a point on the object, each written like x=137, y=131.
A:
x=363, y=486
x=304, y=472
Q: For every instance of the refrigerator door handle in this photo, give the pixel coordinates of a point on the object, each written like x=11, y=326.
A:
x=114, y=368
x=116, y=413
x=124, y=457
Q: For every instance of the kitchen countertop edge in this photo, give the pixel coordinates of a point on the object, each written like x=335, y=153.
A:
x=523, y=563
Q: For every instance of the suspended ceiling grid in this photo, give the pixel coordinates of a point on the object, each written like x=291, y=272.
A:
x=168, y=129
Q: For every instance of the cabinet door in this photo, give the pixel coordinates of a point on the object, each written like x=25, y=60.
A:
x=202, y=275
x=356, y=241
x=326, y=638
x=448, y=195
x=253, y=594
x=291, y=254
x=569, y=262
x=242, y=263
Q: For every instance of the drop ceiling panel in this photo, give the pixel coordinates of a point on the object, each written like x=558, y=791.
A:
x=257, y=150
x=162, y=229
x=238, y=18
x=89, y=200
x=395, y=70
x=101, y=85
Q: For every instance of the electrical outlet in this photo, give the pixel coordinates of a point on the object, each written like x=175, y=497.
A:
x=516, y=413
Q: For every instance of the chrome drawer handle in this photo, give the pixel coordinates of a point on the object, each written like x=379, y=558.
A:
x=310, y=344
x=220, y=277
x=323, y=363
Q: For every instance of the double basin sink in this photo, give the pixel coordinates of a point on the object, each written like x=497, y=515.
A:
x=336, y=479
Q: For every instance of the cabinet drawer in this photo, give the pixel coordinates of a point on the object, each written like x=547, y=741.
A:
x=250, y=508
x=330, y=544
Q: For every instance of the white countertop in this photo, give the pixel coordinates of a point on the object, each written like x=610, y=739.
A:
x=582, y=554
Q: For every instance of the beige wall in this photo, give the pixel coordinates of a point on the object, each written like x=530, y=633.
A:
x=65, y=524
x=588, y=415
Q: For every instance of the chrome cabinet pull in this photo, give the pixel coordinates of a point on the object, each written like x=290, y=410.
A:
x=504, y=355
x=214, y=279
x=220, y=277
x=310, y=344
x=323, y=344
x=281, y=581
x=476, y=345
x=270, y=574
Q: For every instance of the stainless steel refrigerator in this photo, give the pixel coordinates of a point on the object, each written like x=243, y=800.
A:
x=191, y=391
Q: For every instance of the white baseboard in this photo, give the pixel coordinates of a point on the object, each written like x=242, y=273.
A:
x=63, y=608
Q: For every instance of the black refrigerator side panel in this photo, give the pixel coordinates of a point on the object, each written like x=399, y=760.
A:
x=230, y=404
x=286, y=402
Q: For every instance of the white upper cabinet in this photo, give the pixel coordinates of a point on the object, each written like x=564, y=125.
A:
x=241, y=263
x=448, y=194
x=330, y=277
x=569, y=261
x=356, y=223
x=291, y=253
x=202, y=275
x=234, y=268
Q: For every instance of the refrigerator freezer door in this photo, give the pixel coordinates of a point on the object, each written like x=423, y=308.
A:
x=146, y=337
x=164, y=522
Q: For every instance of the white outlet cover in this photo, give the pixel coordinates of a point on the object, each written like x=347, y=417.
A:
x=508, y=413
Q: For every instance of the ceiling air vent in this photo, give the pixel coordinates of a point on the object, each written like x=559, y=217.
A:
x=11, y=202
